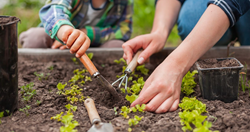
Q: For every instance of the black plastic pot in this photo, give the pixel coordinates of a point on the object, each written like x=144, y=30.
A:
x=8, y=64
x=219, y=83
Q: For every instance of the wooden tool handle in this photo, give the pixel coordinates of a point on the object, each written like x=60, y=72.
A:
x=92, y=112
x=132, y=65
x=88, y=64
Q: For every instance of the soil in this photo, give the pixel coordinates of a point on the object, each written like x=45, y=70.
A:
x=225, y=116
x=7, y=20
x=215, y=63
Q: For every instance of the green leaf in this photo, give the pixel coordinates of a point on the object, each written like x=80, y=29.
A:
x=90, y=55
x=131, y=98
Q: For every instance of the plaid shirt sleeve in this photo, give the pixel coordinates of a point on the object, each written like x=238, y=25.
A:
x=121, y=30
x=233, y=8
x=55, y=14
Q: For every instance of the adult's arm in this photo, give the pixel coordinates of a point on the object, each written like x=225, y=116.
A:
x=161, y=91
x=165, y=17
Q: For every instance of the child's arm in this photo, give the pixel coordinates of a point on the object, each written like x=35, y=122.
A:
x=122, y=30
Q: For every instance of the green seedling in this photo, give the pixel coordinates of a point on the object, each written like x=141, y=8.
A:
x=131, y=98
x=71, y=108
x=25, y=110
x=69, y=124
x=115, y=109
x=74, y=59
x=188, y=83
x=142, y=69
x=51, y=68
x=58, y=117
x=190, y=104
x=60, y=88
x=27, y=92
x=38, y=102
x=41, y=76
x=134, y=121
x=1, y=115
x=120, y=60
x=87, y=78
x=243, y=80
x=90, y=55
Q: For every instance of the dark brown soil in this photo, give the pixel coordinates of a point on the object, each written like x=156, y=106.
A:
x=225, y=116
x=7, y=20
x=215, y=63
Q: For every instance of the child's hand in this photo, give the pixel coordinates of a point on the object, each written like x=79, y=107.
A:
x=76, y=40
x=57, y=44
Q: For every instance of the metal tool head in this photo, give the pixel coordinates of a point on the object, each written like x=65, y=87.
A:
x=98, y=126
x=125, y=77
x=108, y=86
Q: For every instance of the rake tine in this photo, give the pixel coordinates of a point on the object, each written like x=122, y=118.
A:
x=117, y=80
x=126, y=84
x=122, y=81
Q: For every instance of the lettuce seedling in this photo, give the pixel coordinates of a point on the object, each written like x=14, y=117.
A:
x=188, y=83
x=71, y=107
x=190, y=104
x=131, y=98
x=1, y=115
x=142, y=69
x=90, y=55
x=120, y=60
x=74, y=59
x=27, y=91
x=134, y=121
x=61, y=87
x=58, y=117
x=141, y=108
x=41, y=76
x=25, y=110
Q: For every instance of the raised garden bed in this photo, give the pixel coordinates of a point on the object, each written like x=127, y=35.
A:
x=224, y=116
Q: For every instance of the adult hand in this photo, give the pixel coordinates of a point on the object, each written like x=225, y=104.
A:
x=57, y=45
x=76, y=40
x=161, y=92
x=151, y=43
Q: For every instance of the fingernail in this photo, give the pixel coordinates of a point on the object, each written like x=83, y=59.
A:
x=77, y=55
x=141, y=60
x=53, y=47
x=67, y=46
x=127, y=61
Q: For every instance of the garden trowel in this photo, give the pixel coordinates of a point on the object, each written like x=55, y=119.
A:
x=95, y=73
x=97, y=125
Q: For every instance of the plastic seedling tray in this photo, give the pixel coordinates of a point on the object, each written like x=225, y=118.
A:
x=219, y=83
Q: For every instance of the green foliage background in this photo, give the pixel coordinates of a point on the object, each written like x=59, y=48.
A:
x=27, y=12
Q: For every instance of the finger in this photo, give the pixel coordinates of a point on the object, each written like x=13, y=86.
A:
x=83, y=48
x=175, y=105
x=156, y=102
x=128, y=52
x=66, y=34
x=72, y=38
x=146, y=96
x=56, y=44
x=124, y=56
x=78, y=43
x=146, y=53
x=165, y=106
x=63, y=47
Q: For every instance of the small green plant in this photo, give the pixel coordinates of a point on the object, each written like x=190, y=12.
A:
x=142, y=69
x=126, y=110
x=188, y=83
x=25, y=110
x=115, y=110
x=71, y=108
x=41, y=76
x=51, y=68
x=74, y=59
x=57, y=117
x=60, y=88
x=38, y=102
x=1, y=115
x=243, y=80
x=90, y=55
x=134, y=121
x=27, y=91
x=120, y=60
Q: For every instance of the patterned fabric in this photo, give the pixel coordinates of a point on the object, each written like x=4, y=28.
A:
x=233, y=8
x=115, y=23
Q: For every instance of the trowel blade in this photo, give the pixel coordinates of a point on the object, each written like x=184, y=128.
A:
x=105, y=127
x=108, y=86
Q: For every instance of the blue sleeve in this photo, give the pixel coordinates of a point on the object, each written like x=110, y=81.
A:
x=234, y=9
x=182, y=1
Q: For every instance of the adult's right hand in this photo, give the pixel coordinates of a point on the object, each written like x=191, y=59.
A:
x=151, y=43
